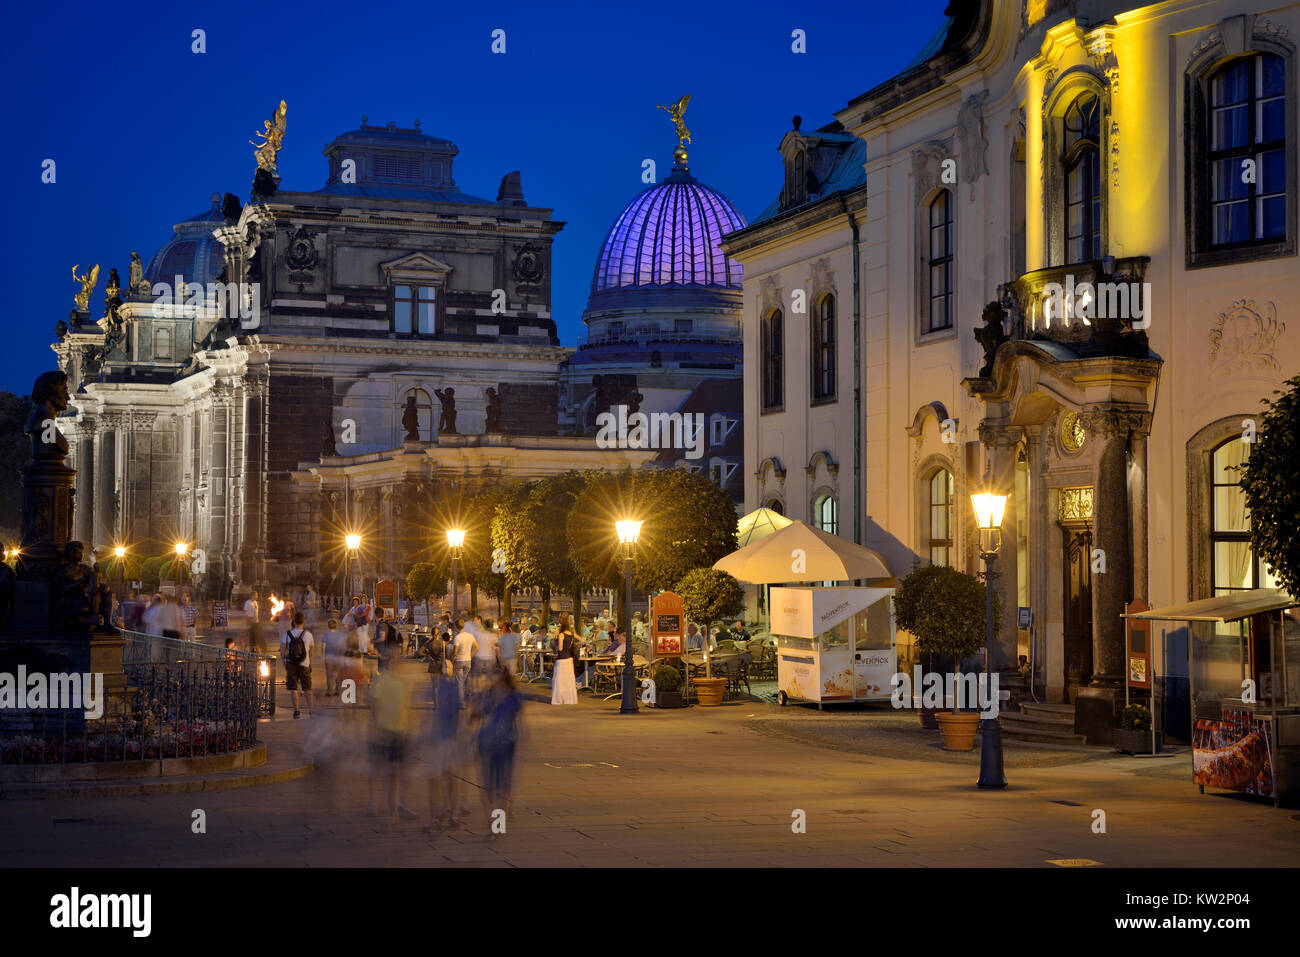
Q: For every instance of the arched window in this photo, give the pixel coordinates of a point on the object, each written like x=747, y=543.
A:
x=775, y=506
x=823, y=350
x=939, y=517
x=1233, y=565
x=826, y=515
x=1247, y=125
x=1081, y=163
x=940, y=263
x=424, y=410
x=773, y=352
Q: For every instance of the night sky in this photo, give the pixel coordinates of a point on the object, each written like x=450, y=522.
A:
x=143, y=131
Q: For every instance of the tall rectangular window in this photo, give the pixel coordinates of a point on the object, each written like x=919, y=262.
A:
x=414, y=310
x=1248, y=151
x=940, y=263
x=823, y=350
x=773, y=357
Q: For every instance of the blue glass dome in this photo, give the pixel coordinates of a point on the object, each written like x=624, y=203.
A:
x=668, y=236
x=192, y=252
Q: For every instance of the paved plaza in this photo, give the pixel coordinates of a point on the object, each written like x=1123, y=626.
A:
x=696, y=787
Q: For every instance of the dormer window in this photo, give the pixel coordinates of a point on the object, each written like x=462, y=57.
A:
x=416, y=283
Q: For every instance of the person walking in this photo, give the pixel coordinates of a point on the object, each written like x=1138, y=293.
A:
x=445, y=752
x=508, y=648
x=311, y=605
x=253, y=609
x=392, y=727
x=295, y=649
x=466, y=646
x=190, y=614
x=498, y=735
x=333, y=645
x=563, y=688
x=436, y=650
x=485, y=658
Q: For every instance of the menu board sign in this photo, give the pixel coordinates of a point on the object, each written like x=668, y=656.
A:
x=1139, y=646
x=219, y=614
x=666, y=614
x=386, y=598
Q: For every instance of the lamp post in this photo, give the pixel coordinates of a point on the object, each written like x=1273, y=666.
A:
x=628, y=532
x=181, y=549
x=455, y=540
x=988, y=516
x=119, y=553
x=353, y=542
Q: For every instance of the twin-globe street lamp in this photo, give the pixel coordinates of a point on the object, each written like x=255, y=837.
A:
x=628, y=532
x=989, y=509
x=455, y=541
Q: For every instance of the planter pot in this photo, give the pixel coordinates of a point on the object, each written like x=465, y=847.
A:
x=1136, y=742
x=958, y=730
x=709, y=691
x=669, y=699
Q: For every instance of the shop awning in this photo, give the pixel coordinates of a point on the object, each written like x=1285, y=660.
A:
x=1223, y=608
x=801, y=553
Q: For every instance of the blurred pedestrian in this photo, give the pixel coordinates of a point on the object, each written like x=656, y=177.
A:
x=465, y=647
x=502, y=710
x=444, y=752
x=296, y=649
x=391, y=703
x=189, y=615
x=334, y=643
x=508, y=647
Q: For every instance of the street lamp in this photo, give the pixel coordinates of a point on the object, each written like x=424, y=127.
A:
x=989, y=509
x=628, y=532
x=353, y=542
x=455, y=540
x=119, y=553
x=181, y=549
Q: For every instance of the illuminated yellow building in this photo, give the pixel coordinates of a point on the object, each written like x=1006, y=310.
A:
x=1107, y=195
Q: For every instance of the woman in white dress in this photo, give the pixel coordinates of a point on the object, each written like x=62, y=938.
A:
x=564, y=689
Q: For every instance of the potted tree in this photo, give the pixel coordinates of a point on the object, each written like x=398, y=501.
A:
x=949, y=619
x=1133, y=735
x=668, y=687
x=908, y=601
x=707, y=595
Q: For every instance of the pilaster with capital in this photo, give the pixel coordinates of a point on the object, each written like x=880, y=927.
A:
x=1001, y=443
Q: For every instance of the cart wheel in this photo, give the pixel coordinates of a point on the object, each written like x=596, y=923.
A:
x=782, y=698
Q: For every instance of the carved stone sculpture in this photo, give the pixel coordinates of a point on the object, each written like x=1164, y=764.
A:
x=493, y=411
x=411, y=420
x=139, y=285
x=991, y=335
x=328, y=445
x=447, y=421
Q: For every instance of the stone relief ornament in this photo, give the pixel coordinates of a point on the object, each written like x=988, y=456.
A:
x=1244, y=338
x=527, y=267
x=1075, y=504
x=1207, y=41
x=927, y=166
x=971, y=139
x=302, y=255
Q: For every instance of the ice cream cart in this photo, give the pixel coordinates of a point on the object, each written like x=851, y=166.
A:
x=834, y=645
x=1244, y=677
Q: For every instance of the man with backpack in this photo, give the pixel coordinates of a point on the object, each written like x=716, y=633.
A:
x=295, y=649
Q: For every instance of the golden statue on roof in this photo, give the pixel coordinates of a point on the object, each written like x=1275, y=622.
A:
x=677, y=111
x=272, y=137
x=88, y=281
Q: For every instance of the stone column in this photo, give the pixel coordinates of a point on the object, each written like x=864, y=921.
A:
x=1138, y=497
x=1112, y=589
x=83, y=511
x=253, y=558
x=217, y=514
x=105, y=499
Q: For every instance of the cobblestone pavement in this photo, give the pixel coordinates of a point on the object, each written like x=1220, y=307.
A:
x=694, y=787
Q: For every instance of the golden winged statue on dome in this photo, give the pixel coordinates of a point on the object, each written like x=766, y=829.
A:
x=272, y=138
x=88, y=282
x=677, y=111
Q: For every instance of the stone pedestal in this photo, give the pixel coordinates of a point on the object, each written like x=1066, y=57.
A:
x=1095, y=712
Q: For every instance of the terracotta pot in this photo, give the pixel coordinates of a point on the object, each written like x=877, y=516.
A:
x=958, y=730
x=709, y=690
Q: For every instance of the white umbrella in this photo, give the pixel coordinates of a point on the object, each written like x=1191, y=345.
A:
x=801, y=553
x=759, y=524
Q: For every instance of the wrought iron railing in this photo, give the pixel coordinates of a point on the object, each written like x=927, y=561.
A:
x=181, y=699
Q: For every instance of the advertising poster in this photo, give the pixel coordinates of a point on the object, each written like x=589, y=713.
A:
x=1233, y=753
x=872, y=673
x=798, y=676
x=667, y=620
x=386, y=598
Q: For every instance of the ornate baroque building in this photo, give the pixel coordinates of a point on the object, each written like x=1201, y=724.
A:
x=1030, y=148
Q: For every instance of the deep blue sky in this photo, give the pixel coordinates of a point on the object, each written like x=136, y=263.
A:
x=144, y=131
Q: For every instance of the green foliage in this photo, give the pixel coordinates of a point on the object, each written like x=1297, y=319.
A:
x=944, y=609
x=667, y=679
x=478, y=515
x=529, y=527
x=689, y=522
x=423, y=582
x=1268, y=479
x=709, y=595
x=1136, y=717
x=153, y=569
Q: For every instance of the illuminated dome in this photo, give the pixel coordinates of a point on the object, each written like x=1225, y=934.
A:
x=669, y=236
x=192, y=252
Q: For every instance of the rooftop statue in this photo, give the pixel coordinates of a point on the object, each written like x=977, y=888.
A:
x=272, y=138
x=677, y=111
x=88, y=282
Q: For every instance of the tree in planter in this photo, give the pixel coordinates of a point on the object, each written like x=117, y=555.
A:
x=1268, y=479
x=708, y=595
x=944, y=609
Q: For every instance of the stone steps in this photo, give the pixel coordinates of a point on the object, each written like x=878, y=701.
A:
x=1050, y=723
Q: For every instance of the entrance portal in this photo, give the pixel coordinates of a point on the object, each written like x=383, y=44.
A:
x=1078, y=609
